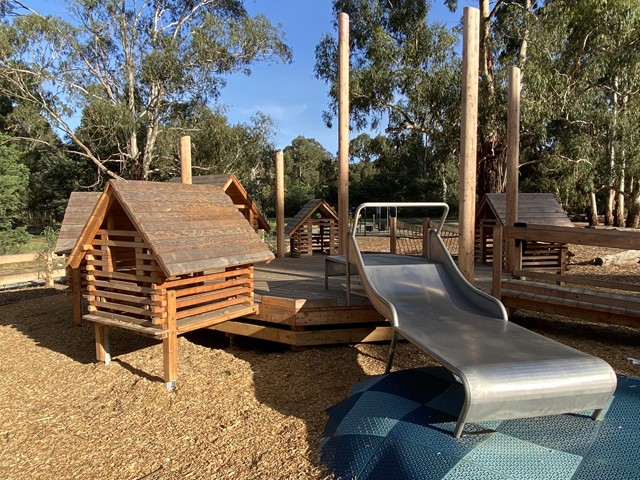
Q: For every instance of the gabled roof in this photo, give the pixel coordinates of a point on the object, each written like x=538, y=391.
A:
x=76, y=215
x=533, y=208
x=232, y=186
x=189, y=228
x=310, y=208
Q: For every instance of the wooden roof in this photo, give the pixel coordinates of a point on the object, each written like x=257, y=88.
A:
x=189, y=228
x=232, y=187
x=310, y=208
x=533, y=208
x=76, y=215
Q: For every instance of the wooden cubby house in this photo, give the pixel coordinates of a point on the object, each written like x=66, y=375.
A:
x=234, y=189
x=163, y=259
x=533, y=209
x=314, y=229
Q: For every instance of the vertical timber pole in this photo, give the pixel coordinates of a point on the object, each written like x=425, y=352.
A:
x=469, y=140
x=185, y=159
x=280, y=204
x=513, y=159
x=343, y=132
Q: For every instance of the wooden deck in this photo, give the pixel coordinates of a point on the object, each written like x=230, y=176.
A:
x=296, y=309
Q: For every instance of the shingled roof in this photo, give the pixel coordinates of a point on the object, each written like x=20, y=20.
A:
x=232, y=187
x=533, y=208
x=79, y=208
x=311, y=207
x=189, y=228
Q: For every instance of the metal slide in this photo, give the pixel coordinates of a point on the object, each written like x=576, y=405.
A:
x=507, y=371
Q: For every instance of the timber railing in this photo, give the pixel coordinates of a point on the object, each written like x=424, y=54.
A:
x=409, y=239
x=592, y=299
x=26, y=269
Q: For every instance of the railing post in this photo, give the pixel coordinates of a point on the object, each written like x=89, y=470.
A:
x=426, y=222
x=497, y=262
x=170, y=343
x=393, y=232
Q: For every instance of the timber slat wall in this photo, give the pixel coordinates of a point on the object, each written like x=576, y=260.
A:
x=595, y=300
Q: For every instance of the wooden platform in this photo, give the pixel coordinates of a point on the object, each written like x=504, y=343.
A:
x=296, y=309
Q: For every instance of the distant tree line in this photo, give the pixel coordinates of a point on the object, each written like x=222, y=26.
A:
x=106, y=92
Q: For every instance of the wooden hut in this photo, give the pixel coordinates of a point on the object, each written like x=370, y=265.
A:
x=314, y=229
x=533, y=209
x=234, y=189
x=163, y=259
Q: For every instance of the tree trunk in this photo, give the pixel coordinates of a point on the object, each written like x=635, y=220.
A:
x=633, y=217
x=593, y=213
x=619, y=218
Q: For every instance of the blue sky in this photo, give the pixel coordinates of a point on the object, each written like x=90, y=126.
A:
x=289, y=94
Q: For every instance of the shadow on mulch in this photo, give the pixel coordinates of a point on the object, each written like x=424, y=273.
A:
x=45, y=316
x=300, y=384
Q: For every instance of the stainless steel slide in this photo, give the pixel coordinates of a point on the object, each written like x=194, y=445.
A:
x=507, y=371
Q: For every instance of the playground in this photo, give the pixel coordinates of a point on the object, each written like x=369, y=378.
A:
x=244, y=409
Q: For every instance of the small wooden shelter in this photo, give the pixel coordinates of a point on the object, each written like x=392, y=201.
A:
x=78, y=210
x=163, y=259
x=314, y=229
x=232, y=187
x=533, y=209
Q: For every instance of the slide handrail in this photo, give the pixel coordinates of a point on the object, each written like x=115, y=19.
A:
x=443, y=205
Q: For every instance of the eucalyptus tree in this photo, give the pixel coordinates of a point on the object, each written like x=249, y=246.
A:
x=404, y=75
x=129, y=67
x=580, y=100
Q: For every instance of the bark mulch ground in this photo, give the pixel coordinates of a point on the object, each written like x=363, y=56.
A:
x=242, y=410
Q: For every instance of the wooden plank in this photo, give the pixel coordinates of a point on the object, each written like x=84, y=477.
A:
x=115, y=322
x=577, y=236
x=212, y=296
x=20, y=258
x=209, y=287
x=99, y=304
x=214, y=306
x=273, y=334
x=208, y=319
x=126, y=298
x=576, y=280
x=337, y=315
x=205, y=278
x=125, y=286
x=96, y=274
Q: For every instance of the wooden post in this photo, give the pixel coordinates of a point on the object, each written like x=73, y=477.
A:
x=513, y=160
x=102, y=344
x=343, y=131
x=496, y=283
x=185, y=159
x=425, y=237
x=76, y=295
x=393, y=235
x=170, y=343
x=280, y=248
x=468, y=140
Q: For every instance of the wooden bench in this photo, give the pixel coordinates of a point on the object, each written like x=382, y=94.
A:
x=587, y=298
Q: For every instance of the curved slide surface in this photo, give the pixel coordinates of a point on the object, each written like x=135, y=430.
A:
x=507, y=371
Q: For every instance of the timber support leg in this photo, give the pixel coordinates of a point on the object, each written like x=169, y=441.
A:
x=170, y=344
x=102, y=344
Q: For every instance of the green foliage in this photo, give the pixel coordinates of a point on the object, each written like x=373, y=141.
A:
x=131, y=72
x=14, y=178
x=404, y=70
x=310, y=172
